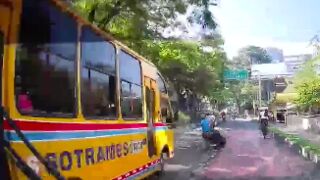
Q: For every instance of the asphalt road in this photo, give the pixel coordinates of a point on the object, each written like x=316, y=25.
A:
x=246, y=156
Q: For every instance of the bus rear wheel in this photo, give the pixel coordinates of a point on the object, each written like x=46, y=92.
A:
x=161, y=171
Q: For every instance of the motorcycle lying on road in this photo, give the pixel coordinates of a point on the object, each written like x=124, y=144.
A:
x=215, y=138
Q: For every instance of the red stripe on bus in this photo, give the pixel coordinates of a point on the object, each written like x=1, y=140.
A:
x=137, y=170
x=57, y=126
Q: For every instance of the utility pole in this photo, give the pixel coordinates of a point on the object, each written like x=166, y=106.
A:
x=254, y=107
x=259, y=89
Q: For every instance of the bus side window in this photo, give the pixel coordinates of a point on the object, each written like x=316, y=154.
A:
x=165, y=111
x=131, y=87
x=161, y=84
x=165, y=115
x=98, y=85
x=45, y=72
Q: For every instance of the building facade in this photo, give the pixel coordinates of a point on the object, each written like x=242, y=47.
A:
x=295, y=62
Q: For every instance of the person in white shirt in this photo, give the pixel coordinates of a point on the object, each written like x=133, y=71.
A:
x=212, y=118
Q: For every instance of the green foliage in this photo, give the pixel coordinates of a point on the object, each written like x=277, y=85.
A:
x=251, y=55
x=146, y=17
x=307, y=85
x=309, y=93
x=187, y=65
x=184, y=118
x=243, y=93
x=221, y=95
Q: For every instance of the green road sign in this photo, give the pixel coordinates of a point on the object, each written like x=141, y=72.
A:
x=236, y=74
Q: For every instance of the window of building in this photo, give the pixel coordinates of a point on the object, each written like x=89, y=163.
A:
x=98, y=84
x=45, y=61
x=131, y=91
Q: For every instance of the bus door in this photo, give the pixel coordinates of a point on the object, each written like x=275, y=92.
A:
x=150, y=91
x=5, y=11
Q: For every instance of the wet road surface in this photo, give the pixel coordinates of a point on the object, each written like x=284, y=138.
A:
x=190, y=156
x=246, y=156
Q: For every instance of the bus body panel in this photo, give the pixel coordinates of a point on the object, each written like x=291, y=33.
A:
x=95, y=157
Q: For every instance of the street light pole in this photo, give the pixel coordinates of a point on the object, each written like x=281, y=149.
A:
x=259, y=90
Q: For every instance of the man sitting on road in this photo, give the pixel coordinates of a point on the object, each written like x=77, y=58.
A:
x=208, y=132
x=206, y=125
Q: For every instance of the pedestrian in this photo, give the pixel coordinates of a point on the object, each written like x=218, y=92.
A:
x=264, y=117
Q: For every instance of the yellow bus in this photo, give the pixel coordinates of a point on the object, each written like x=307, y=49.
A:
x=76, y=103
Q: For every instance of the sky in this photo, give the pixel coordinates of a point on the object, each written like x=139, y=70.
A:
x=285, y=24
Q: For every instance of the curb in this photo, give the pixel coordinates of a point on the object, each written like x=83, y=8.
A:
x=304, y=148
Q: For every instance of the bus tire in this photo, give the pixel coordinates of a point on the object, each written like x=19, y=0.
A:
x=161, y=171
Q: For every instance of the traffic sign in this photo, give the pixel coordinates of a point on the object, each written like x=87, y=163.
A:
x=236, y=74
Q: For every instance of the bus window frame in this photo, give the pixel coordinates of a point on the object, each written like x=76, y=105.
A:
x=117, y=91
x=75, y=113
x=141, y=87
x=164, y=84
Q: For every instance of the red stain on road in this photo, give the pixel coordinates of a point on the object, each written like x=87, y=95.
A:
x=247, y=154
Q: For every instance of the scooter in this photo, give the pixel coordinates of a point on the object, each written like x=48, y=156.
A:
x=208, y=140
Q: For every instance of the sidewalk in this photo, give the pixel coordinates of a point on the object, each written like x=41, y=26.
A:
x=304, y=142
x=305, y=134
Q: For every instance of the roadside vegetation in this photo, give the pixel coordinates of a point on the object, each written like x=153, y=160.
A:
x=307, y=85
x=297, y=140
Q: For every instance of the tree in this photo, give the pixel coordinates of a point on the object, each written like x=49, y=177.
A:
x=307, y=84
x=309, y=93
x=148, y=18
x=251, y=55
x=241, y=93
x=189, y=67
x=193, y=71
